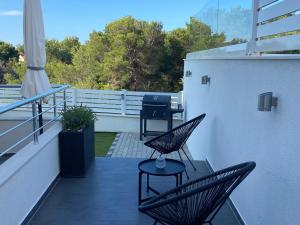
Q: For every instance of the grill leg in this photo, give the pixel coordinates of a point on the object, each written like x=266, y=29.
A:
x=145, y=127
x=187, y=176
x=170, y=123
x=189, y=159
x=141, y=126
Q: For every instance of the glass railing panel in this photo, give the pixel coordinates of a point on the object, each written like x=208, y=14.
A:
x=231, y=17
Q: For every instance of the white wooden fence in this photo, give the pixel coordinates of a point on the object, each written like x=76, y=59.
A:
x=273, y=23
x=102, y=102
x=117, y=102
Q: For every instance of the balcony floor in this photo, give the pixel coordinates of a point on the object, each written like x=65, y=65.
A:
x=128, y=145
x=107, y=196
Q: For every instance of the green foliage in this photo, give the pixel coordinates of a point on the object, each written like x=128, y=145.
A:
x=129, y=54
x=62, y=51
x=135, y=51
x=201, y=37
x=14, y=72
x=7, y=52
x=77, y=118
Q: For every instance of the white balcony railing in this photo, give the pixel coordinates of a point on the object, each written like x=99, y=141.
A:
x=34, y=115
x=102, y=102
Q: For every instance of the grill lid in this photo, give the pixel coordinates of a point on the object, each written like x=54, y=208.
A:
x=157, y=100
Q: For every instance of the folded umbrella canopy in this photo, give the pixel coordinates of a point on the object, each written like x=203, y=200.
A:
x=36, y=80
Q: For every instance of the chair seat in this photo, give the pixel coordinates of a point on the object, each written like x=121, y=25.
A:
x=198, y=201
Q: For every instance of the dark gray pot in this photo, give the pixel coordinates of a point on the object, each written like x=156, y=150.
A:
x=77, y=151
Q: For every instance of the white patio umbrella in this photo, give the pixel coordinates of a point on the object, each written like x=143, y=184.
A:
x=36, y=80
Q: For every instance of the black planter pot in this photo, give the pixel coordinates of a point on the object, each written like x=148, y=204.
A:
x=77, y=151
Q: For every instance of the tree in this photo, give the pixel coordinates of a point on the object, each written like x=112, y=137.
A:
x=133, y=54
x=68, y=47
x=196, y=36
x=129, y=54
x=53, y=50
x=8, y=52
x=201, y=37
x=91, y=55
x=176, y=44
x=15, y=72
x=62, y=51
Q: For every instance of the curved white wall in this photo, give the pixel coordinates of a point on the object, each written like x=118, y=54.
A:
x=234, y=131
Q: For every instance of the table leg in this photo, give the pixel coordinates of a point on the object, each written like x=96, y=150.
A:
x=180, y=179
x=140, y=188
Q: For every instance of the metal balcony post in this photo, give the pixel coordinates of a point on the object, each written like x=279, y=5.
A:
x=54, y=106
x=40, y=112
x=251, y=46
x=34, y=123
x=65, y=100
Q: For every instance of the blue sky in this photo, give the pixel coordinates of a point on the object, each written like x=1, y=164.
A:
x=80, y=17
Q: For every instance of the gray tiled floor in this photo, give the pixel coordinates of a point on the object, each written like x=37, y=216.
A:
x=107, y=196
x=128, y=145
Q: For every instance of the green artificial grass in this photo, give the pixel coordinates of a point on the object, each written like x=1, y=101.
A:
x=103, y=141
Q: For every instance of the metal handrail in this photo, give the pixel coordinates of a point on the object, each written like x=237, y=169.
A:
x=19, y=85
x=29, y=135
x=35, y=115
x=26, y=101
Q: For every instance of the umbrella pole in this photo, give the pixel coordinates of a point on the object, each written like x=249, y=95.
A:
x=40, y=109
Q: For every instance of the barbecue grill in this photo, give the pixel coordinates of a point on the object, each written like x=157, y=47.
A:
x=155, y=107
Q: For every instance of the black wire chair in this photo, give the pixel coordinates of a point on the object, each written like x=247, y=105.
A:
x=196, y=202
x=175, y=139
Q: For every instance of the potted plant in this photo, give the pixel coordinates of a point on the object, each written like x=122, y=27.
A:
x=76, y=141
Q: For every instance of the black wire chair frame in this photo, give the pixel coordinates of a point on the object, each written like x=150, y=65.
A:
x=196, y=202
x=175, y=139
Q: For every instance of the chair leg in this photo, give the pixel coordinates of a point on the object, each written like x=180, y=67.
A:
x=152, y=154
x=215, y=212
x=189, y=159
x=185, y=168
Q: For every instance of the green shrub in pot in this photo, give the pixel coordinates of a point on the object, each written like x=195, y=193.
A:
x=77, y=118
x=76, y=141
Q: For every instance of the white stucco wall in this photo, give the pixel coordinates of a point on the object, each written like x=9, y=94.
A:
x=234, y=131
x=26, y=176
x=110, y=123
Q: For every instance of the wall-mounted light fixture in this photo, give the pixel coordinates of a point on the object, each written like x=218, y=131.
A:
x=266, y=101
x=188, y=73
x=205, y=79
